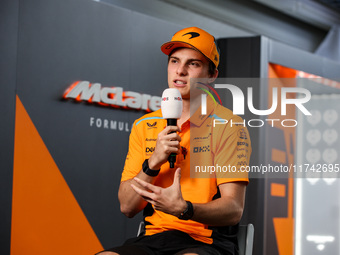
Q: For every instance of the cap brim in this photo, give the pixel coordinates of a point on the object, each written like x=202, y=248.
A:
x=166, y=49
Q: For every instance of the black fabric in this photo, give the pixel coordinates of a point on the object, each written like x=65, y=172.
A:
x=148, y=211
x=176, y=242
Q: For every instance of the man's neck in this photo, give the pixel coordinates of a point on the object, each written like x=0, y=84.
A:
x=189, y=106
x=185, y=112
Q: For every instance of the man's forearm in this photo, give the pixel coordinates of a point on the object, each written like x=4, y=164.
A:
x=130, y=202
x=220, y=212
x=224, y=211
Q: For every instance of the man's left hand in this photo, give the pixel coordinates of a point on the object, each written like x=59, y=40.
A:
x=168, y=200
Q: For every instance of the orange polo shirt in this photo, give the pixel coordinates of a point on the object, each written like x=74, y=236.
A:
x=211, y=144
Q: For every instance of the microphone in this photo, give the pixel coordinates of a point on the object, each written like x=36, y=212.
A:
x=171, y=107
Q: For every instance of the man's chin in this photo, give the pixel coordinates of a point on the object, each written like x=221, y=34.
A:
x=184, y=92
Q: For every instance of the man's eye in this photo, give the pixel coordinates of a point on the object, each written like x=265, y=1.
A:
x=196, y=64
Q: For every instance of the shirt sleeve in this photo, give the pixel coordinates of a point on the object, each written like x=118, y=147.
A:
x=232, y=153
x=134, y=158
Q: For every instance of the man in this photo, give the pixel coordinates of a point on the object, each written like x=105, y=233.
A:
x=183, y=214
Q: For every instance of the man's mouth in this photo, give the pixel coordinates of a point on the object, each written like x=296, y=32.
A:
x=178, y=82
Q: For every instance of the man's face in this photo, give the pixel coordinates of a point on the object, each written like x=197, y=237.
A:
x=183, y=65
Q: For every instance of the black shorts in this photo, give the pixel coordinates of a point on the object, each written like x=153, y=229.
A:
x=177, y=242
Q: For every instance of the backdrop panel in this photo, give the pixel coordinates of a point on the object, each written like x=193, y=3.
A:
x=60, y=43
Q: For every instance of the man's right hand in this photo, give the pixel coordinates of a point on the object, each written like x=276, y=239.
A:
x=168, y=141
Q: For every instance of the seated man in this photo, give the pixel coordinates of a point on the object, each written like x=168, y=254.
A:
x=184, y=213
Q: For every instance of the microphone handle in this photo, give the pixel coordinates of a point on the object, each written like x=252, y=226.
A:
x=172, y=157
x=171, y=122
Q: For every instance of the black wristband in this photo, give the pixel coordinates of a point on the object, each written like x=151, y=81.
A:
x=188, y=213
x=149, y=171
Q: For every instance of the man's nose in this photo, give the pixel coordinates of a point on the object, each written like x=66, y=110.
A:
x=182, y=70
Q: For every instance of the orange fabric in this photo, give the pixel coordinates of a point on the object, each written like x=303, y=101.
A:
x=46, y=218
x=205, y=145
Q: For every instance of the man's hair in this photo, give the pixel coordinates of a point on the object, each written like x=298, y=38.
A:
x=212, y=68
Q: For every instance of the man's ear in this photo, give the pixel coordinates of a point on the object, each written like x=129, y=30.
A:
x=213, y=78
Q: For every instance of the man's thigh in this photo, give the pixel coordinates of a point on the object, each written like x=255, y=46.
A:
x=169, y=242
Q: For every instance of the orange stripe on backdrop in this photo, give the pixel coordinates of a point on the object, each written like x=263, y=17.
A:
x=46, y=218
x=284, y=227
x=278, y=190
x=284, y=231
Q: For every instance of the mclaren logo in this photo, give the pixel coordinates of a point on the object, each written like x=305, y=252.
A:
x=114, y=97
x=193, y=34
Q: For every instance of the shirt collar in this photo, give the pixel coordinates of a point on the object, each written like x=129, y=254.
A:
x=197, y=118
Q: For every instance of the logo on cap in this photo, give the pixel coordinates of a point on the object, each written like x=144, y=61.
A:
x=193, y=34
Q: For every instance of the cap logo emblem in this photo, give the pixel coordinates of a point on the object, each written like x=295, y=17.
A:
x=193, y=34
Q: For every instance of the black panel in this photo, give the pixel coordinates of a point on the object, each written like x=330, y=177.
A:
x=8, y=31
x=333, y=4
x=240, y=58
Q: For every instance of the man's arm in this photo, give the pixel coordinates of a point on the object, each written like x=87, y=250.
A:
x=167, y=143
x=224, y=211
x=130, y=203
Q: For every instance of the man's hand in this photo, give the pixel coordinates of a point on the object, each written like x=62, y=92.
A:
x=168, y=200
x=166, y=144
x=168, y=141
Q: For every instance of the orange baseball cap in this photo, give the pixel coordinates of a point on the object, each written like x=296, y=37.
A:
x=194, y=38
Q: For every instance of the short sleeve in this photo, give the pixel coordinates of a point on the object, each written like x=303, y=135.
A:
x=134, y=158
x=232, y=154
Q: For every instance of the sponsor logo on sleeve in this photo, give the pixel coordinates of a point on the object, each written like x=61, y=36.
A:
x=200, y=149
x=242, y=134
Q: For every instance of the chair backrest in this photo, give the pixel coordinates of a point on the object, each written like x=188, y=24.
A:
x=141, y=229
x=245, y=237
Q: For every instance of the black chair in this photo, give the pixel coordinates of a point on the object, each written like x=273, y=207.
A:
x=245, y=238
